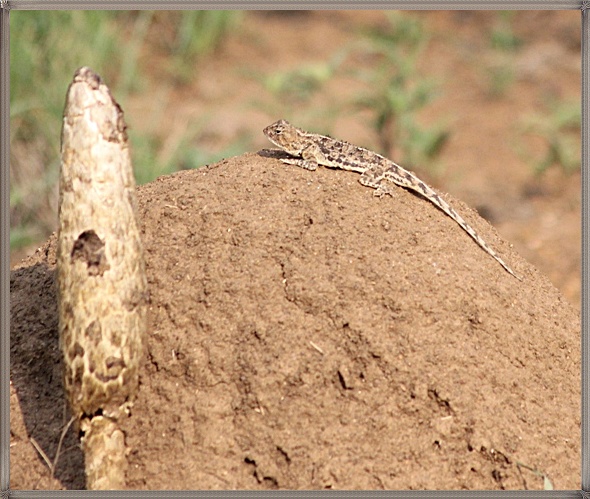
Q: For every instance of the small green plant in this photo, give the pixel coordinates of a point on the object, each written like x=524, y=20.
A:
x=197, y=33
x=503, y=42
x=559, y=129
x=292, y=91
x=502, y=36
x=201, y=31
x=398, y=91
x=301, y=83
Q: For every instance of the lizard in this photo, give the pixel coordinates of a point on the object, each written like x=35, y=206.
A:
x=309, y=150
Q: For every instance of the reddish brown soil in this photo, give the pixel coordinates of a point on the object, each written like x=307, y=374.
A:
x=304, y=334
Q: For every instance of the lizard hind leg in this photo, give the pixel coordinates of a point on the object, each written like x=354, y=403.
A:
x=369, y=180
x=382, y=189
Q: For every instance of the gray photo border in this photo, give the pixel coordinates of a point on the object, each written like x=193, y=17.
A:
x=7, y=5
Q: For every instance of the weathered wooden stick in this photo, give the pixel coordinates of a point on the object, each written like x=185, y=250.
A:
x=101, y=275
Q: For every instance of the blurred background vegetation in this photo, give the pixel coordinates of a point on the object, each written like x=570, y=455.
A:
x=45, y=46
x=45, y=49
x=389, y=91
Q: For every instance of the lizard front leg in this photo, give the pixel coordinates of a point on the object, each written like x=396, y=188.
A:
x=301, y=163
x=310, y=158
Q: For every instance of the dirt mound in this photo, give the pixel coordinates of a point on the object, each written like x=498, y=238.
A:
x=305, y=334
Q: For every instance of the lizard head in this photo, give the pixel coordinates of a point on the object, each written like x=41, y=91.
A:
x=286, y=136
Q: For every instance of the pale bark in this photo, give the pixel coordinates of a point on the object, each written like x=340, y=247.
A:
x=101, y=275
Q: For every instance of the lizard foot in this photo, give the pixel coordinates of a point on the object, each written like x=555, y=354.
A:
x=382, y=190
